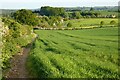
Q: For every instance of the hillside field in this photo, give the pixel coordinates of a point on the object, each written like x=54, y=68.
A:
x=87, y=53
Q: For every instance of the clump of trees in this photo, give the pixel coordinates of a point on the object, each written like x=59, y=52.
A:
x=90, y=14
x=27, y=17
x=50, y=21
x=52, y=11
x=76, y=15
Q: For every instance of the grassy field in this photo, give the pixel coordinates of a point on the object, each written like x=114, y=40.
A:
x=107, y=13
x=90, y=22
x=90, y=53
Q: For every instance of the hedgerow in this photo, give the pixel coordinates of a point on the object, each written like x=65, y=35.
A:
x=14, y=39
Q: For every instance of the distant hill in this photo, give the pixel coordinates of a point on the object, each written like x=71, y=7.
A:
x=101, y=8
x=7, y=12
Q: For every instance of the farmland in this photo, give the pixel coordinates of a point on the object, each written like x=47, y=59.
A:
x=59, y=42
x=90, y=22
x=87, y=53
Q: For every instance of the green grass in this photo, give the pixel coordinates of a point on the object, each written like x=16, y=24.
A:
x=88, y=53
x=107, y=13
x=90, y=22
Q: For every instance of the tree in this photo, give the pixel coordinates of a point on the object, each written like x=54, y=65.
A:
x=91, y=9
x=102, y=23
x=76, y=14
x=66, y=15
x=93, y=16
x=26, y=17
x=112, y=22
x=69, y=24
x=52, y=11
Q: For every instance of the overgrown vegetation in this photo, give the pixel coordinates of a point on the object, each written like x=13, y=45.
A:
x=69, y=24
x=25, y=17
x=15, y=36
x=51, y=11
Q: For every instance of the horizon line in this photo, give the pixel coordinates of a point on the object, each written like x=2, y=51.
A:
x=65, y=7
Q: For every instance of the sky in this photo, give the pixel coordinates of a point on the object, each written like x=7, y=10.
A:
x=33, y=4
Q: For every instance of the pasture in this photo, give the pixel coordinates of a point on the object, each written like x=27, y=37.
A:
x=87, y=53
x=90, y=22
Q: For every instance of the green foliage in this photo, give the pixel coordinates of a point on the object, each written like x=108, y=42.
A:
x=17, y=37
x=26, y=17
x=10, y=48
x=21, y=41
x=90, y=14
x=75, y=54
x=51, y=11
x=51, y=21
x=85, y=22
x=27, y=30
x=91, y=9
x=14, y=29
x=7, y=21
x=102, y=23
x=76, y=15
x=69, y=24
x=112, y=22
x=66, y=15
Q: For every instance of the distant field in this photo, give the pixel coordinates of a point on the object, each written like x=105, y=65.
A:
x=107, y=13
x=104, y=12
x=90, y=22
x=91, y=53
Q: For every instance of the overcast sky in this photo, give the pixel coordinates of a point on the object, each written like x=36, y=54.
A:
x=32, y=4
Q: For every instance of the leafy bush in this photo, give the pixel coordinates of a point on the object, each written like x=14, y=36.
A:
x=26, y=17
x=102, y=23
x=52, y=11
x=69, y=24
x=7, y=21
x=112, y=22
x=9, y=49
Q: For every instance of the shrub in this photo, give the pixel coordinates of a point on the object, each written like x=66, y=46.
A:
x=102, y=23
x=26, y=17
x=69, y=24
x=9, y=49
x=112, y=22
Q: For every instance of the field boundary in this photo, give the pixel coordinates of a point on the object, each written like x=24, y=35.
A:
x=75, y=28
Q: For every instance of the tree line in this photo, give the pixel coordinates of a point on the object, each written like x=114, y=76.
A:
x=73, y=14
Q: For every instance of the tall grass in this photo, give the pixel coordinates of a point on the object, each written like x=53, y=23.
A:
x=91, y=53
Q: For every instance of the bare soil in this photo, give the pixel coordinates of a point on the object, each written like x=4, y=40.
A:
x=18, y=65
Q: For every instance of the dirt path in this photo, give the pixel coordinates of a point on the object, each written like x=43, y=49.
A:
x=18, y=65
